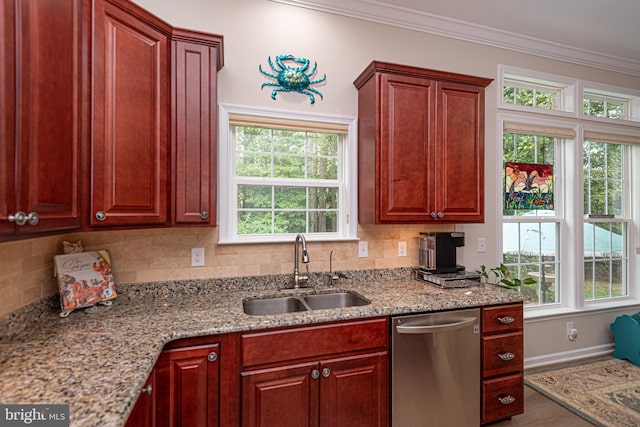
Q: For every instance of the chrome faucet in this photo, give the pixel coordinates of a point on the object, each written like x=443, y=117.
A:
x=300, y=280
x=333, y=276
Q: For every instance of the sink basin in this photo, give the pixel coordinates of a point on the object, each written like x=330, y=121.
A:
x=264, y=306
x=334, y=300
x=292, y=304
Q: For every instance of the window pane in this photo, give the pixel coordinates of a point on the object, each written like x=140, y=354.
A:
x=323, y=221
x=605, y=260
x=290, y=222
x=545, y=100
x=290, y=197
x=324, y=198
x=524, y=97
x=253, y=139
x=288, y=167
x=288, y=142
x=254, y=196
x=509, y=94
x=530, y=251
x=254, y=222
x=253, y=165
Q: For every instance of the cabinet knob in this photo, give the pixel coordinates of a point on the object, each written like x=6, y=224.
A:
x=440, y=214
x=204, y=215
x=33, y=218
x=507, y=400
x=506, y=356
x=20, y=218
x=433, y=214
x=315, y=374
x=148, y=389
x=326, y=372
x=212, y=357
x=101, y=216
x=506, y=320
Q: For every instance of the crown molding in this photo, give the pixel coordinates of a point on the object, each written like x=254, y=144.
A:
x=447, y=27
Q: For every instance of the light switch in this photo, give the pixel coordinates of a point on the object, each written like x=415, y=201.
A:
x=197, y=257
x=363, y=249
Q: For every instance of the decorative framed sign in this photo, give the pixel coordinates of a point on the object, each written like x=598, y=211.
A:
x=528, y=186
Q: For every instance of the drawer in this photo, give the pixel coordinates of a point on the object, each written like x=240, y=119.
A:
x=502, y=398
x=270, y=346
x=502, y=318
x=502, y=354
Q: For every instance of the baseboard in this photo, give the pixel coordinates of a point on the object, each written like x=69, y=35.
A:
x=568, y=356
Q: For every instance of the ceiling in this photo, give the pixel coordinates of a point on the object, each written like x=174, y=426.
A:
x=603, y=34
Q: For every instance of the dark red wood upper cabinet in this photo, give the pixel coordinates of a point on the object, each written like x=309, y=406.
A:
x=130, y=144
x=424, y=132
x=45, y=71
x=196, y=58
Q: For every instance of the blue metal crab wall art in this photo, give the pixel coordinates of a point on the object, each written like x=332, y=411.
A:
x=291, y=78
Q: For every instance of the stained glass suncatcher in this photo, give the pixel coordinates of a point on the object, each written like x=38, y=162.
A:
x=528, y=186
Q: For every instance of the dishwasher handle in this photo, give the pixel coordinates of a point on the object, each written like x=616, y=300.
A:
x=430, y=329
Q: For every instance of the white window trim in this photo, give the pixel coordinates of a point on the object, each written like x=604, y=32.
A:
x=348, y=202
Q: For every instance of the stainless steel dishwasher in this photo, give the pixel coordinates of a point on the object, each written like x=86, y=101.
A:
x=435, y=369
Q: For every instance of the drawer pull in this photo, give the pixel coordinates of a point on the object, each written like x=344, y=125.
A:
x=506, y=320
x=507, y=400
x=506, y=356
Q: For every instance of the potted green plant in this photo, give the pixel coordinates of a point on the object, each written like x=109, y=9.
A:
x=500, y=277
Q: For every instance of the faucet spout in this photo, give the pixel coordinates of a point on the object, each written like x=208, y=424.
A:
x=300, y=279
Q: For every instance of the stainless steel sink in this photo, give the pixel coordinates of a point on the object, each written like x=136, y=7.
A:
x=264, y=306
x=291, y=304
x=334, y=300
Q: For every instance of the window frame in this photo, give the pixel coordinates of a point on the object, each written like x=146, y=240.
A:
x=227, y=194
x=569, y=200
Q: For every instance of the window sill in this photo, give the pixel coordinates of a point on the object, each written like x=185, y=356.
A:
x=285, y=239
x=563, y=311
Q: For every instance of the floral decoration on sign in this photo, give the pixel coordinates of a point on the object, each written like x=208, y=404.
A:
x=292, y=78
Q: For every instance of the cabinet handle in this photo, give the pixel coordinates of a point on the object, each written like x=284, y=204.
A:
x=212, y=357
x=440, y=214
x=315, y=374
x=507, y=356
x=33, y=218
x=101, y=216
x=20, y=218
x=204, y=215
x=433, y=214
x=506, y=320
x=507, y=400
x=326, y=372
x=148, y=389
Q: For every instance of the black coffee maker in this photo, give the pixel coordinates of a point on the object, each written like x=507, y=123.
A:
x=438, y=252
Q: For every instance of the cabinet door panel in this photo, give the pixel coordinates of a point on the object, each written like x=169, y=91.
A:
x=188, y=387
x=459, y=183
x=129, y=168
x=7, y=118
x=195, y=133
x=406, y=160
x=284, y=397
x=355, y=392
x=50, y=96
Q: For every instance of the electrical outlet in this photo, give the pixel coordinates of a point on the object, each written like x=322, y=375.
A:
x=402, y=249
x=569, y=327
x=197, y=257
x=363, y=249
x=482, y=245
x=572, y=333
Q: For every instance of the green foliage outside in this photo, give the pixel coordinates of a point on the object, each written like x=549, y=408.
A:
x=289, y=157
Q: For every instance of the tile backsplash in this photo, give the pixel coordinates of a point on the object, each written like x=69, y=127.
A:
x=161, y=254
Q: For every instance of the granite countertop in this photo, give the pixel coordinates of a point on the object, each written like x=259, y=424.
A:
x=97, y=360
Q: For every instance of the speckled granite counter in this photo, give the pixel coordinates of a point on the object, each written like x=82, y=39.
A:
x=97, y=360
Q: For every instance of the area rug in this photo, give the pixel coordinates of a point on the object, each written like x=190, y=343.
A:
x=605, y=392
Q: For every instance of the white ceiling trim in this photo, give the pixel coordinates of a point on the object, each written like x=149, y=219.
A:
x=442, y=26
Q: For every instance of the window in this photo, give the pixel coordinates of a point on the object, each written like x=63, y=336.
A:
x=284, y=174
x=573, y=231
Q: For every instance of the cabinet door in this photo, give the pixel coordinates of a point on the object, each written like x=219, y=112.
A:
x=188, y=386
x=354, y=391
x=130, y=110
x=48, y=111
x=143, y=413
x=285, y=396
x=459, y=153
x=406, y=121
x=194, y=133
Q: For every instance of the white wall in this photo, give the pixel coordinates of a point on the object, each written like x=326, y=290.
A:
x=256, y=29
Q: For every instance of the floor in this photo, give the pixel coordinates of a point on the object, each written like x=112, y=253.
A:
x=542, y=411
